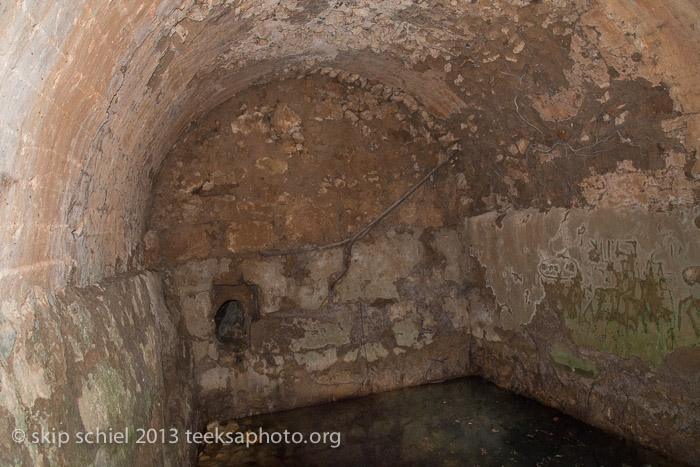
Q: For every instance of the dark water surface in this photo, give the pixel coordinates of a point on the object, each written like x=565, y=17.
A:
x=460, y=422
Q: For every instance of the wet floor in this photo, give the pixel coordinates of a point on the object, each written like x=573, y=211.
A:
x=460, y=422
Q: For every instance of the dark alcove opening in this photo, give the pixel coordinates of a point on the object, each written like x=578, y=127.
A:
x=230, y=323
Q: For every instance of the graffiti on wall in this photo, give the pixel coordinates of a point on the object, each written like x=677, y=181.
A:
x=622, y=301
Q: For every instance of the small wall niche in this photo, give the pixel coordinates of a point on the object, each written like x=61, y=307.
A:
x=237, y=308
x=230, y=322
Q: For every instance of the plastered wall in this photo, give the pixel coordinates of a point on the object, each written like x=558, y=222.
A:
x=551, y=107
x=87, y=360
x=575, y=306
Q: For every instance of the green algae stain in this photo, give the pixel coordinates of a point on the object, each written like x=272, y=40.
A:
x=635, y=312
x=564, y=359
x=7, y=342
x=108, y=403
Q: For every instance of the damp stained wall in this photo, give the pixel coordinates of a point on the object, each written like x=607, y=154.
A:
x=252, y=194
x=586, y=107
x=64, y=370
x=310, y=160
x=596, y=312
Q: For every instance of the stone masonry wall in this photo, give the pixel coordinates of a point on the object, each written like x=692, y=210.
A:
x=310, y=161
x=98, y=358
x=597, y=314
x=573, y=306
x=585, y=107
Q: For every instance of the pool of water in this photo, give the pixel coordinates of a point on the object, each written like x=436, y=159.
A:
x=467, y=421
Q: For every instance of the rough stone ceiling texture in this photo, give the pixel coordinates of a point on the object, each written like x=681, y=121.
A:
x=95, y=92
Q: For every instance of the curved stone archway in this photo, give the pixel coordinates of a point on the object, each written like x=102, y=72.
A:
x=558, y=246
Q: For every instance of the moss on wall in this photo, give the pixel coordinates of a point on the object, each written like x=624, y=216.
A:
x=85, y=360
